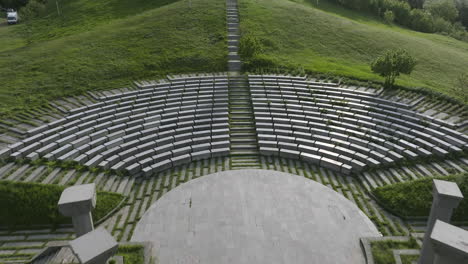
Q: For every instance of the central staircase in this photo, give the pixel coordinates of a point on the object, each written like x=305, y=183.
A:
x=243, y=136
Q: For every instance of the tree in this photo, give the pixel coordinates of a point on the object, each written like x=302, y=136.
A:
x=445, y=9
x=32, y=10
x=391, y=64
x=421, y=20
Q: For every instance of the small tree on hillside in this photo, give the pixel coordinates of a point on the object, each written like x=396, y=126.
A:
x=389, y=17
x=392, y=64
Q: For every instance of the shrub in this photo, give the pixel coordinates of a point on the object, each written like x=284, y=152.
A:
x=414, y=198
x=392, y=64
x=389, y=17
x=249, y=46
x=28, y=204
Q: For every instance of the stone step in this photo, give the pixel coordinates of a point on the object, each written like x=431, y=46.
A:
x=240, y=91
x=244, y=152
x=243, y=123
x=234, y=65
x=233, y=37
x=243, y=140
x=233, y=56
x=233, y=43
x=243, y=113
x=244, y=146
x=243, y=129
x=233, y=48
x=238, y=117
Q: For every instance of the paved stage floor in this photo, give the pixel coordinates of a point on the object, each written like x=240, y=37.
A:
x=254, y=216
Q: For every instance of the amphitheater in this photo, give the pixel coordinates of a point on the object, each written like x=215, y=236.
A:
x=145, y=140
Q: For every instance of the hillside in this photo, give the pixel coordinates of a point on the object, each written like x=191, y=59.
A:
x=338, y=41
x=107, y=44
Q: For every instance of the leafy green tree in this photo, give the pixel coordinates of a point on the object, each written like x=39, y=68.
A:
x=391, y=64
x=462, y=6
x=445, y=9
x=400, y=9
x=442, y=25
x=421, y=20
x=32, y=10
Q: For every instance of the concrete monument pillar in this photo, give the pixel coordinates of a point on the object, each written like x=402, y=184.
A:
x=450, y=244
x=95, y=247
x=77, y=202
x=446, y=197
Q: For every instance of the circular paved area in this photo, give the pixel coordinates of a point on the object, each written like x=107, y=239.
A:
x=254, y=216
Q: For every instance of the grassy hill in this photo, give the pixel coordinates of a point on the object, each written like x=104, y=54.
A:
x=330, y=39
x=107, y=44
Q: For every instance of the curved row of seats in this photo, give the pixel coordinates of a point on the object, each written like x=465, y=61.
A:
x=343, y=130
x=144, y=131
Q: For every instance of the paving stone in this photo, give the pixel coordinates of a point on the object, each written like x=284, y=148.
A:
x=23, y=244
x=35, y=174
x=12, y=238
x=18, y=173
x=51, y=177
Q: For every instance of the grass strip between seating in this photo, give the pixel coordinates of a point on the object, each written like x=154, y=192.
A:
x=382, y=251
x=132, y=254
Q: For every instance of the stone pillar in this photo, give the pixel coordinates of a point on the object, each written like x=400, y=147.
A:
x=77, y=202
x=449, y=243
x=446, y=197
x=95, y=247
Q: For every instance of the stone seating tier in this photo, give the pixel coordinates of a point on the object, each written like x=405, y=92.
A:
x=353, y=128
x=386, y=120
x=163, y=124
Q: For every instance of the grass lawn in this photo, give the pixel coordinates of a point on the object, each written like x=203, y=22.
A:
x=339, y=41
x=414, y=198
x=383, y=254
x=31, y=204
x=132, y=254
x=107, y=44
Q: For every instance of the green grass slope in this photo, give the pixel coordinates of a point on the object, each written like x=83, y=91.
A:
x=414, y=198
x=31, y=204
x=107, y=44
x=342, y=42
